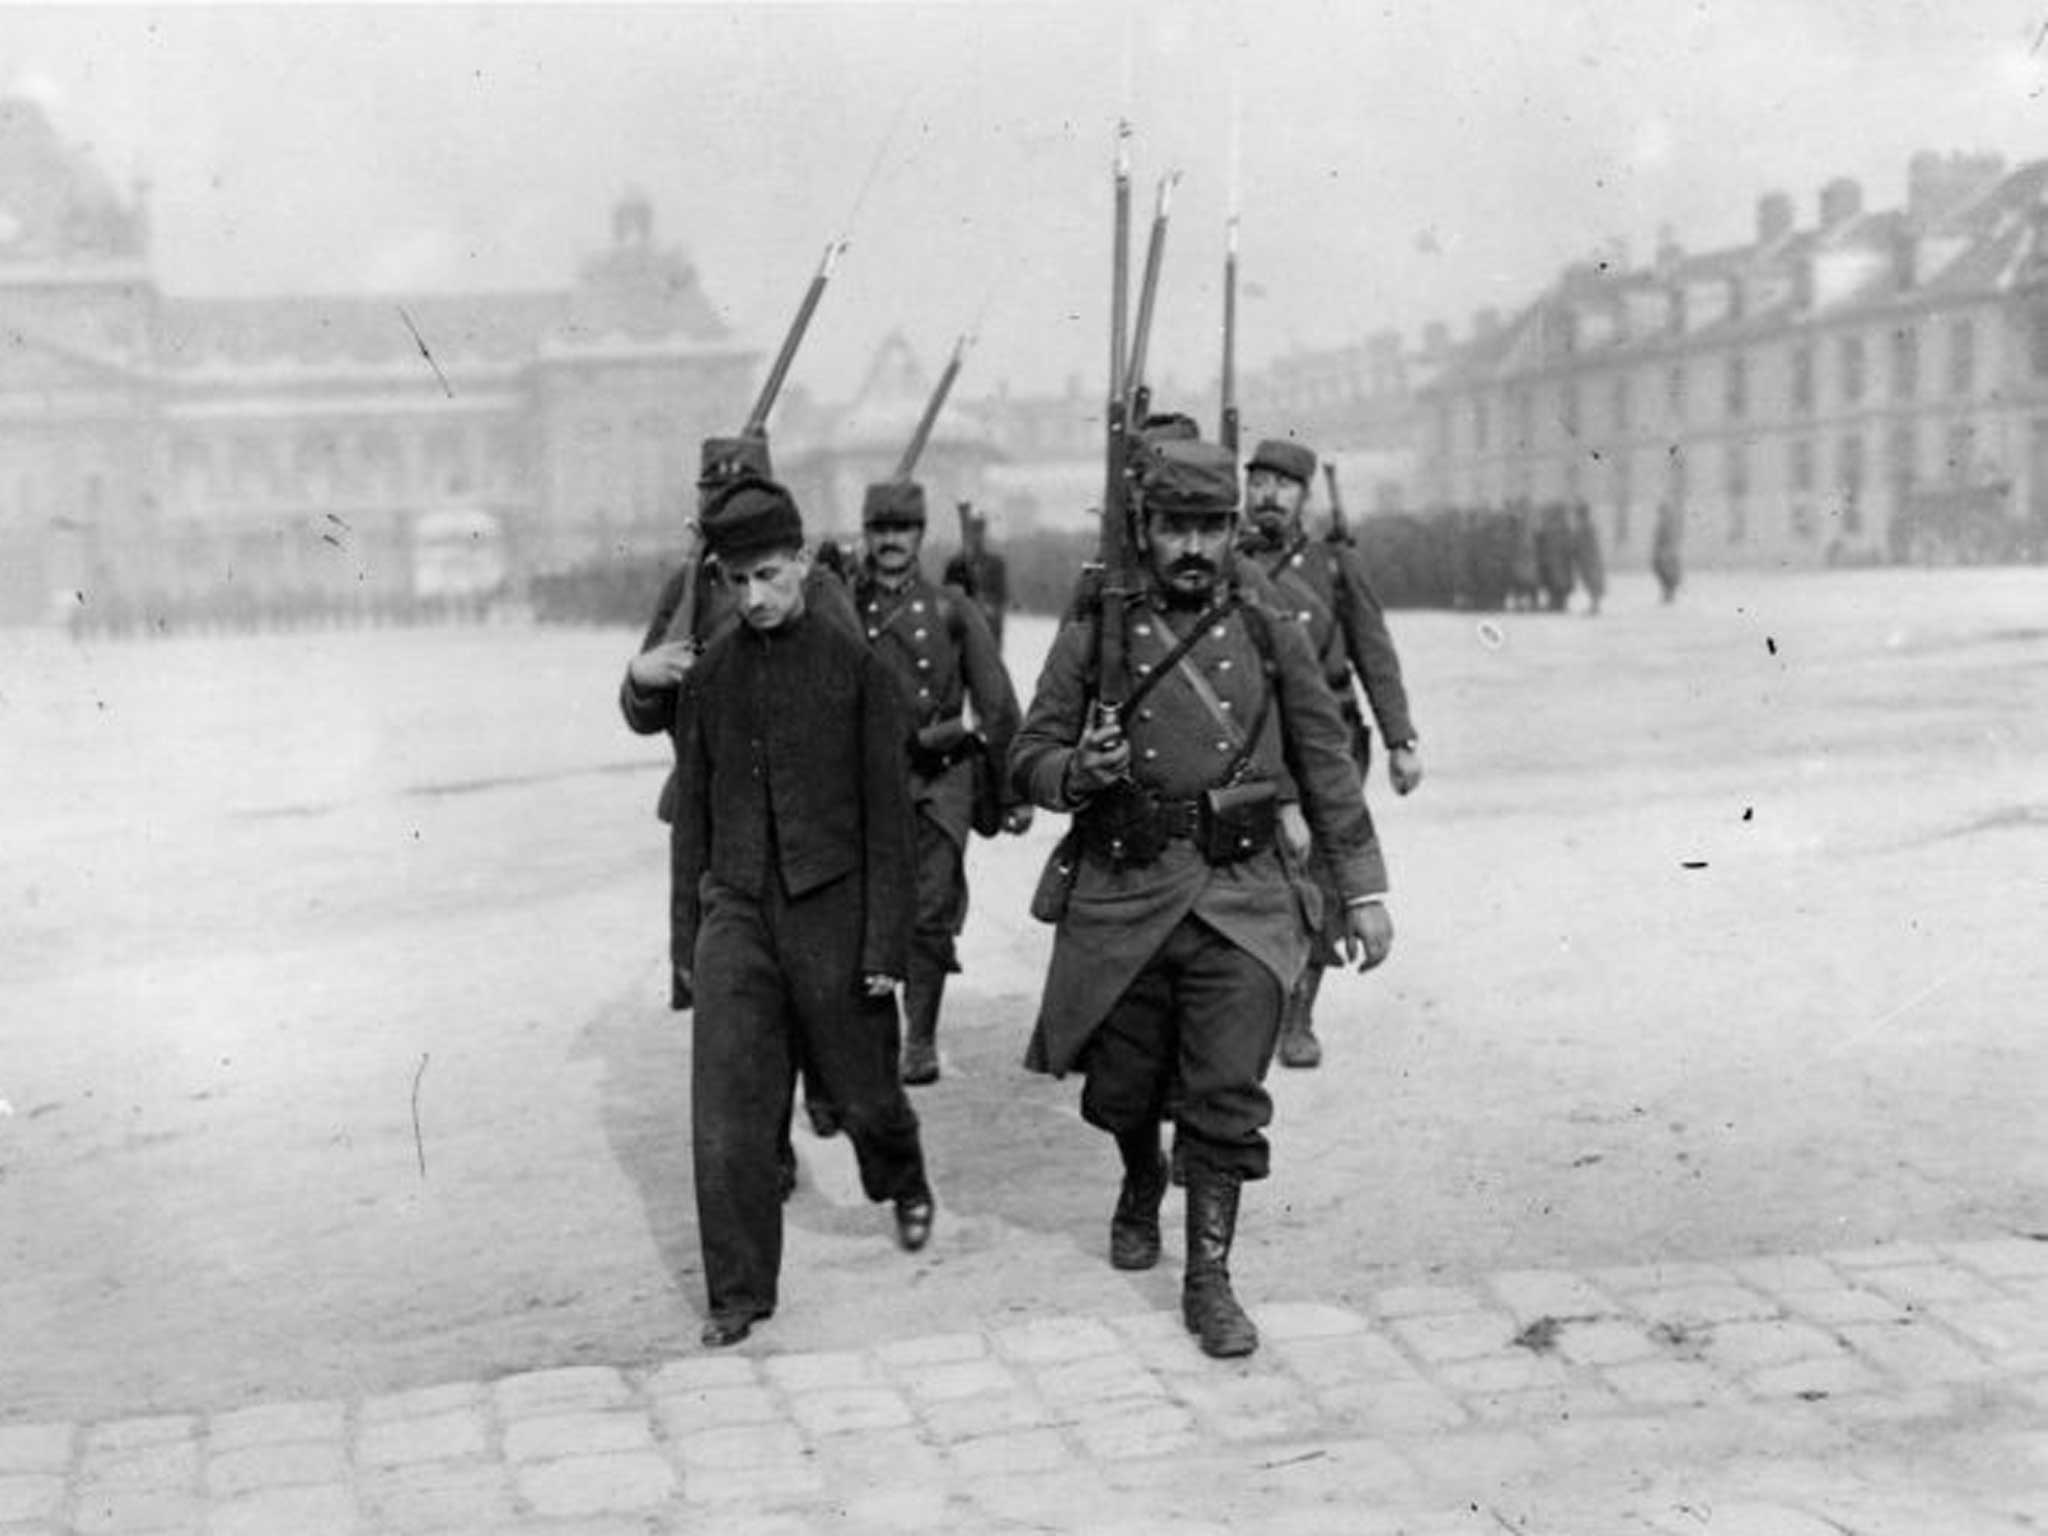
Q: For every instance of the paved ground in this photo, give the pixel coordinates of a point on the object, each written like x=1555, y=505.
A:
x=343, y=1184
x=1895, y=1389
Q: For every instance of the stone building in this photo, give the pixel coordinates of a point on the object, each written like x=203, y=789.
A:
x=236, y=456
x=1793, y=395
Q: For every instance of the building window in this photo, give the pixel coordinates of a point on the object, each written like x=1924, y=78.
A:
x=1799, y=469
x=1737, y=388
x=1959, y=452
x=1674, y=391
x=1905, y=362
x=1852, y=368
x=1849, y=481
x=1901, y=459
x=1962, y=357
x=1802, y=379
x=1621, y=403
x=1736, y=477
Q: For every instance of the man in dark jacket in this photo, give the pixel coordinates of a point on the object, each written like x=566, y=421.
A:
x=1187, y=919
x=647, y=694
x=935, y=643
x=793, y=838
x=1323, y=587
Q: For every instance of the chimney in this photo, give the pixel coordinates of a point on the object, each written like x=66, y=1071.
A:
x=1668, y=249
x=1773, y=218
x=1840, y=199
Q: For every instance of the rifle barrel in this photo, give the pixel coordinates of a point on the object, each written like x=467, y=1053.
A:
x=914, y=449
x=1148, y=287
x=757, y=418
x=1228, y=430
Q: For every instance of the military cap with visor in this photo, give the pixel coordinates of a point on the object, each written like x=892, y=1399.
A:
x=726, y=459
x=1188, y=476
x=1282, y=457
x=893, y=504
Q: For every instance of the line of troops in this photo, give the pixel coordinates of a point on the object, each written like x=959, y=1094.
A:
x=841, y=735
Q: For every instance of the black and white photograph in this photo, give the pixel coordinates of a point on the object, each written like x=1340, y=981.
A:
x=778, y=767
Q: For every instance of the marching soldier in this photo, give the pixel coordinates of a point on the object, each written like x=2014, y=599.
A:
x=793, y=838
x=1322, y=585
x=980, y=572
x=1181, y=916
x=1589, y=565
x=935, y=642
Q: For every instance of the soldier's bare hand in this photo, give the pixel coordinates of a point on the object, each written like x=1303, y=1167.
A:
x=1017, y=819
x=664, y=665
x=875, y=984
x=1404, y=768
x=1369, y=934
x=1294, y=827
x=1101, y=757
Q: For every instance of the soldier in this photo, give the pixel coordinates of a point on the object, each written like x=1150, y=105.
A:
x=935, y=642
x=1181, y=920
x=1323, y=586
x=793, y=846
x=980, y=572
x=1589, y=565
x=1664, y=544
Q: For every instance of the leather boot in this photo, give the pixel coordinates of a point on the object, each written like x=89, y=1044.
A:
x=1207, y=1305
x=921, y=996
x=1134, y=1229
x=1298, y=1044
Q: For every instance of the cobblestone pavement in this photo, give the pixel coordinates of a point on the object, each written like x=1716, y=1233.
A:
x=1893, y=1390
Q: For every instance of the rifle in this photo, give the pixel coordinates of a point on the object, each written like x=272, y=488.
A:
x=682, y=623
x=1129, y=400
x=757, y=418
x=1228, y=431
x=1339, y=533
x=915, y=448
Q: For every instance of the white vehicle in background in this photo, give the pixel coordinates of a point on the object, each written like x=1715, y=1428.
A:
x=459, y=558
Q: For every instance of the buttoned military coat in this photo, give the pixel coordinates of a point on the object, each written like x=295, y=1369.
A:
x=1117, y=919
x=1323, y=587
x=936, y=644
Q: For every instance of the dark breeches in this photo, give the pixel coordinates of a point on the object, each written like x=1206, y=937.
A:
x=1204, y=1011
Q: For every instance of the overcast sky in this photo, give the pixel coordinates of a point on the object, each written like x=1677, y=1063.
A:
x=1397, y=163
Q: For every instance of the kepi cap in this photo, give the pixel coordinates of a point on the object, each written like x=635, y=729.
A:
x=893, y=503
x=1284, y=457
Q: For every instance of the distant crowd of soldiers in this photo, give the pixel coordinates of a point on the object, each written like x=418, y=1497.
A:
x=1524, y=557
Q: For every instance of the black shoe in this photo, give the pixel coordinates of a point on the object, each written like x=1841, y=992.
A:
x=723, y=1329
x=1299, y=1046
x=914, y=1222
x=920, y=1063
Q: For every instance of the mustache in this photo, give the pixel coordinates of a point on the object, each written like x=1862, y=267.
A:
x=1190, y=565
